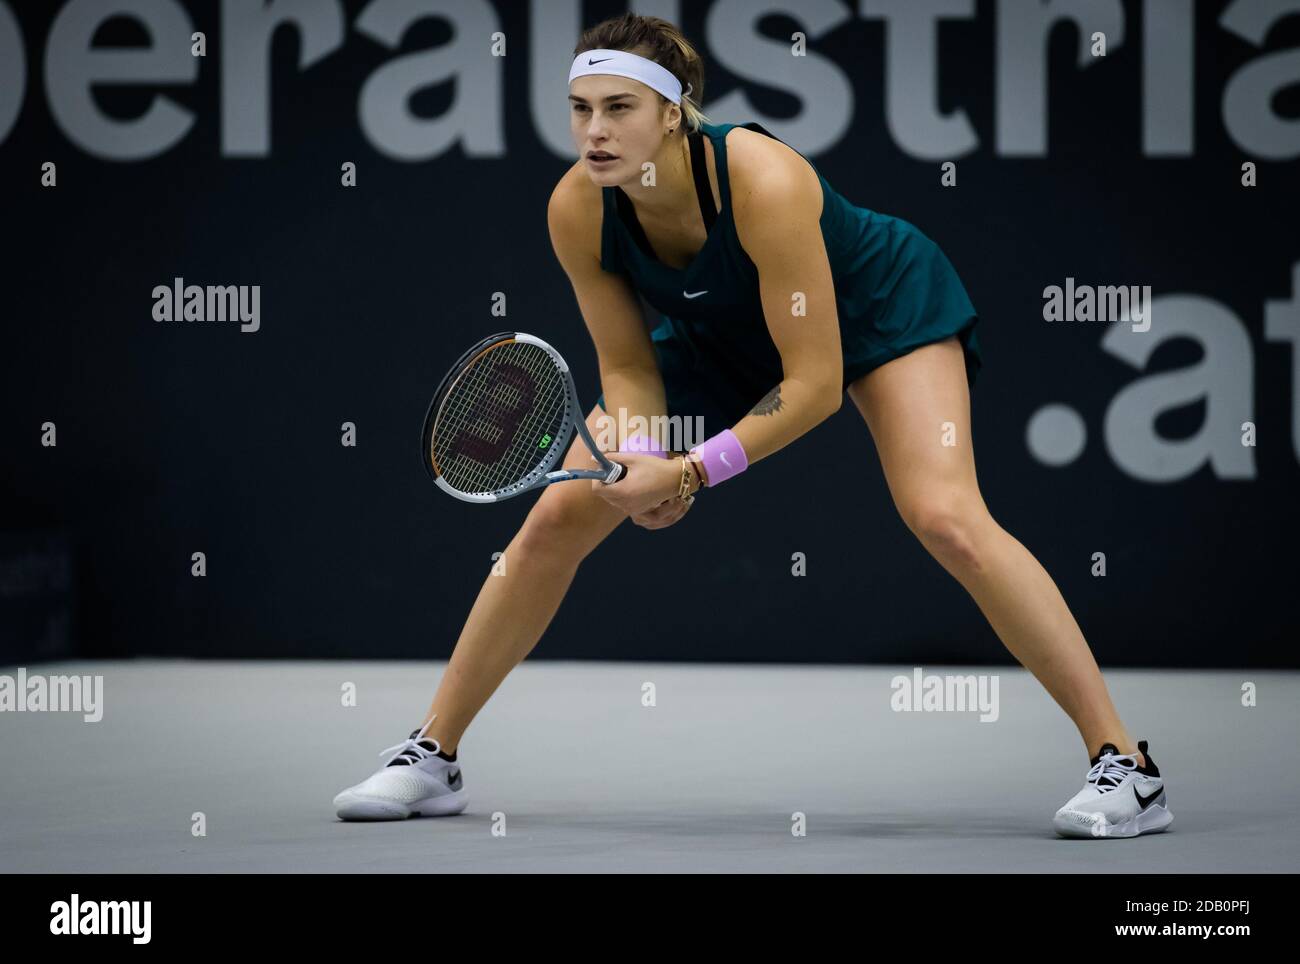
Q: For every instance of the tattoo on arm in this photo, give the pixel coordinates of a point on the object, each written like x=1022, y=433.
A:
x=769, y=403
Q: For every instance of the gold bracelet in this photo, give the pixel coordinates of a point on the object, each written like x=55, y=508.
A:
x=695, y=467
x=684, y=487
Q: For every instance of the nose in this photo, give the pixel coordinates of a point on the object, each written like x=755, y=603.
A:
x=596, y=127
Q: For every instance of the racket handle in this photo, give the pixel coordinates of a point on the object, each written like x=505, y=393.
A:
x=619, y=472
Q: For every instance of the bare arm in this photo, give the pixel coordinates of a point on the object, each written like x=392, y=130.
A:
x=778, y=211
x=628, y=371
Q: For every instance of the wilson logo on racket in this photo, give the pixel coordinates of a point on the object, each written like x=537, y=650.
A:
x=493, y=418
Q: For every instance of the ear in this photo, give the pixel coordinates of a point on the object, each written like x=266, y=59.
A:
x=672, y=116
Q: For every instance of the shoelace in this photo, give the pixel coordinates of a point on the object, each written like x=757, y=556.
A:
x=410, y=750
x=1109, y=769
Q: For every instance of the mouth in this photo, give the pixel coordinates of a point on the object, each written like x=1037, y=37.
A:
x=599, y=156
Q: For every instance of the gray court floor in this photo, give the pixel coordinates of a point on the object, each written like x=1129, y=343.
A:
x=582, y=776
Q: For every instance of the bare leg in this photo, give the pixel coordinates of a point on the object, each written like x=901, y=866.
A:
x=513, y=609
x=905, y=403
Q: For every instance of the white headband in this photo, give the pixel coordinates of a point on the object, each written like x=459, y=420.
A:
x=626, y=64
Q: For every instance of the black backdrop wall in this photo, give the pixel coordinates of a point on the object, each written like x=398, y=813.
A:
x=1122, y=168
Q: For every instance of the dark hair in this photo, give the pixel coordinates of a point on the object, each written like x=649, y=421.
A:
x=655, y=39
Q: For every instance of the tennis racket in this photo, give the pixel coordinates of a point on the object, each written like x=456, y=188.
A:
x=501, y=420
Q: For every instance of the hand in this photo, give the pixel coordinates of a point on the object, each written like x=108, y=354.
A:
x=646, y=484
x=662, y=516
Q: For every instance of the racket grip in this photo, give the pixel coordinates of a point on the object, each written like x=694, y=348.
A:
x=619, y=472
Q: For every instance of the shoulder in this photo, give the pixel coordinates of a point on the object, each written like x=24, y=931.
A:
x=771, y=183
x=575, y=213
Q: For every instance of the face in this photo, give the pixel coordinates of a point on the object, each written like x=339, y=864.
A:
x=617, y=125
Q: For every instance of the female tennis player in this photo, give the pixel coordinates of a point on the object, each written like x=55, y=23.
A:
x=777, y=296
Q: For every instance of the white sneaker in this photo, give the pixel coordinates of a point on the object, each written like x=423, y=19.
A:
x=1118, y=799
x=414, y=782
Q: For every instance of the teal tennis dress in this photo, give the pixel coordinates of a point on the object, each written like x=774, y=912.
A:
x=894, y=291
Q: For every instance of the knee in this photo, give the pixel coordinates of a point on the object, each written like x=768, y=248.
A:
x=948, y=526
x=558, y=524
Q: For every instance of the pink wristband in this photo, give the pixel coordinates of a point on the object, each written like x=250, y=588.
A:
x=722, y=456
x=644, y=444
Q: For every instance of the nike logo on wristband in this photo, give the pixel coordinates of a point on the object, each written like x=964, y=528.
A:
x=723, y=456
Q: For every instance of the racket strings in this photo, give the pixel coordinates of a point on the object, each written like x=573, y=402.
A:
x=492, y=430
